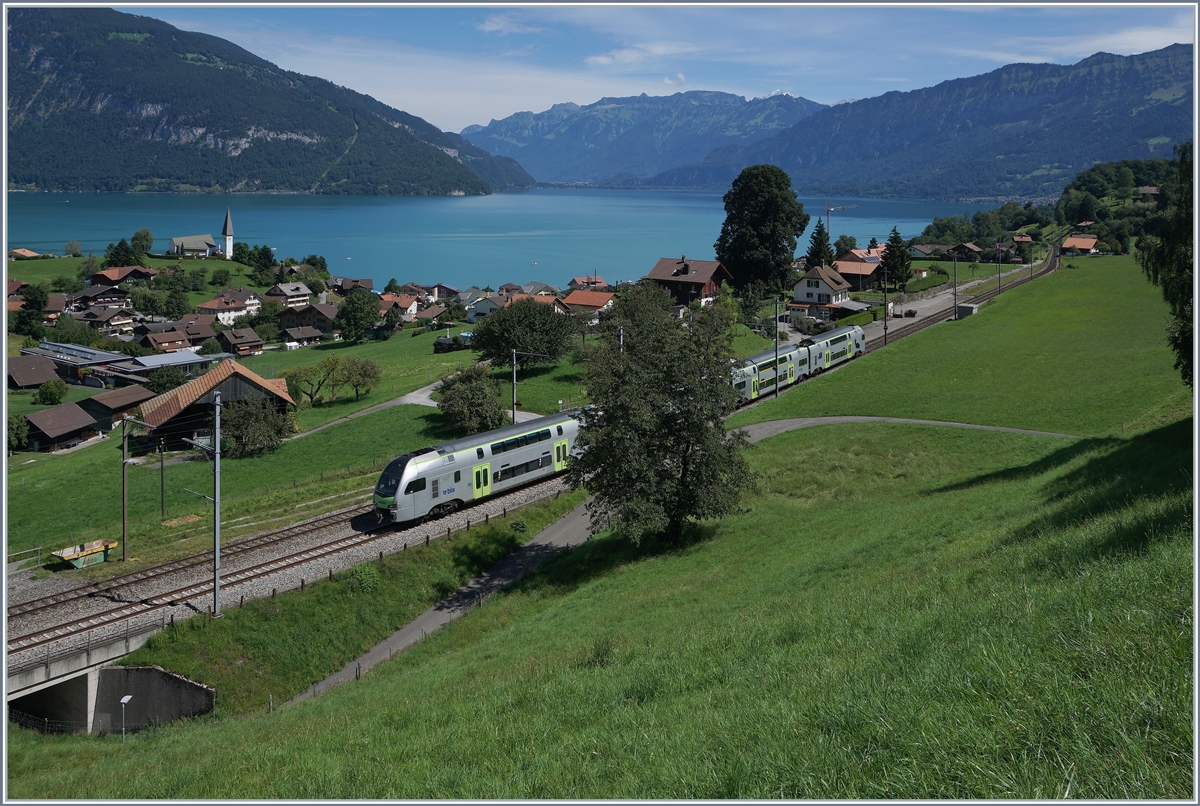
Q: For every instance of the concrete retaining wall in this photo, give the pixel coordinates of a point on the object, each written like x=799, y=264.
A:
x=158, y=696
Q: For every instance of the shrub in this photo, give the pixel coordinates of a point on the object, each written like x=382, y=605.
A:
x=910, y=313
x=365, y=578
x=51, y=393
x=519, y=527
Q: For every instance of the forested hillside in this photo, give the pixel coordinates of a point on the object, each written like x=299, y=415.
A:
x=1024, y=129
x=636, y=136
x=100, y=100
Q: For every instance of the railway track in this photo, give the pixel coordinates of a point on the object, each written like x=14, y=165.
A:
x=107, y=586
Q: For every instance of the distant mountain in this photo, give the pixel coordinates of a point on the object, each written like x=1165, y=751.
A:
x=637, y=136
x=1021, y=130
x=100, y=100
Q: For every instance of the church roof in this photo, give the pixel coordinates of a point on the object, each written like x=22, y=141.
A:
x=228, y=228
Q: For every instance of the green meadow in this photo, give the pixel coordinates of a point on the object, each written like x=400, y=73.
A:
x=1081, y=351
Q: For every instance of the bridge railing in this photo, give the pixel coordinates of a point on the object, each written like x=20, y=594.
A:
x=36, y=658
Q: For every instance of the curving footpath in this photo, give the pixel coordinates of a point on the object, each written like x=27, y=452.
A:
x=563, y=535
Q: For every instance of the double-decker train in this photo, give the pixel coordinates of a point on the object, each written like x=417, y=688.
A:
x=758, y=374
x=439, y=479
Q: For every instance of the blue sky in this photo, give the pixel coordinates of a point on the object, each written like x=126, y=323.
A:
x=456, y=66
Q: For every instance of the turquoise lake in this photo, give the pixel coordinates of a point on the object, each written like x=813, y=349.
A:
x=545, y=234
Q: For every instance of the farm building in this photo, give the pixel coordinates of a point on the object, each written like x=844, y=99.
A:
x=58, y=427
x=107, y=408
x=29, y=371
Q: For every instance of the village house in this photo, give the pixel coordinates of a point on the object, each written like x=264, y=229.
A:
x=15, y=286
x=485, y=306
x=344, y=285
x=185, y=411
x=965, y=251
x=194, y=246
x=587, y=283
x=928, y=250
x=441, y=291
x=241, y=341
x=320, y=316
x=1080, y=244
x=107, y=321
x=588, y=301
x=823, y=294
x=860, y=267
x=225, y=309
x=539, y=289
x=406, y=303
x=293, y=295
x=121, y=274
x=168, y=341
x=470, y=296
x=689, y=280
x=431, y=313
x=98, y=296
x=107, y=408
x=252, y=300
x=13, y=254
x=508, y=289
x=303, y=336
x=58, y=427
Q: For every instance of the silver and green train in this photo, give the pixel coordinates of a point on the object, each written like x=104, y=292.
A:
x=758, y=374
x=440, y=479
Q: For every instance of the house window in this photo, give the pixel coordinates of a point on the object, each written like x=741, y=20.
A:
x=809, y=295
x=822, y=298
x=813, y=283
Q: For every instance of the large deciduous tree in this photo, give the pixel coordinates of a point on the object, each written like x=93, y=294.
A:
x=896, y=260
x=763, y=219
x=656, y=454
x=164, y=379
x=470, y=400
x=358, y=314
x=18, y=431
x=28, y=320
x=843, y=245
x=361, y=374
x=1167, y=257
x=820, y=252
x=312, y=379
x=142, y=241
x=527, y=327
x=253, y=427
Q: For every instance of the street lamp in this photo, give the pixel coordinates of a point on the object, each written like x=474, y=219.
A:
x=124, y=701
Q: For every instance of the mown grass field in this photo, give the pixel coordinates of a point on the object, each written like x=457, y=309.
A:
x=330, y=461
x=1081, y=352
x=901, y=612
x=279, y=647
x=21, y=402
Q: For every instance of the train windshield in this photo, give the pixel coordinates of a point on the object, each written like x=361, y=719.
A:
x=389, y=480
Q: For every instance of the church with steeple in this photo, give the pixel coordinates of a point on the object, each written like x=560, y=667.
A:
x=227, y=233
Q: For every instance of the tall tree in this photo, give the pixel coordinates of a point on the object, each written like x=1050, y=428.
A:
x=72, y=249
x=656, y=454
x=28, y=321
x=820, y=252
x=361, y=374
x=392, y=287
x=318, y=263
x=120, y=254
x=253, y=427
x=164, y=379
x=896, y=260
x=142, y=242
x=1167, y=256
x=527, y=327
x=177, y=305
x=843, y=245
x=312, y=379
x=763, y=219
x=470, y=400
x=358, y=314
x=18, y=431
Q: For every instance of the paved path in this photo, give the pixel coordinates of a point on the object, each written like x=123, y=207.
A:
x=563, y=535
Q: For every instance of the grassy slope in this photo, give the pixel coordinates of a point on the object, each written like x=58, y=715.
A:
x=1079, y=352
x=22, y=402
x=351, y=453
x=916, y=612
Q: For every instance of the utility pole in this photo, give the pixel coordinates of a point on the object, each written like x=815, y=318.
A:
x=217, y=505
x=885, y=305
x=776, y=326
x=125, y=489
x=514, y=386
x=162, y=481
x=955, y=286
x=621, y=337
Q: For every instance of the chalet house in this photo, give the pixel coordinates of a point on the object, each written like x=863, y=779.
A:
x=559, y=306
x=16, y=253
x=241, y=341
x=417, y=290
x=55, y=305
x=508, y=289
x=108, y=408
x=98, y=296
x=62, y=426
x=169, y=341
x=185, y=412
x=344, y=285
x=470, y=296
x=253, y=301
x=29, y=371
x=407, y=304
x=15, y=286
x=822, y=293
x=860, y=267
x=225, y=309
x=589, y=301
x=320, y=316
x=441, y=291
x=965, y=251
x=293, y=295
x=927, y=250
x=1144, y=190
x=303, y=336
x=587, y=283
x=1022, y=239
x=194, y=245
x=688, y=280
x=430, y=313
x=121, y=274
x=539, y=289
x=920, y=272
x=107, y=321
x=197, y=332
x=1081, y=244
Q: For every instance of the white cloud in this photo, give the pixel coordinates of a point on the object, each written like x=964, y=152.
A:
x=678, y=80
x=642, y=52
x=505, y=24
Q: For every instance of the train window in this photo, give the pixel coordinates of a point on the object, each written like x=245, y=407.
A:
x=740, y=385
x=802, y=362
x=498, y=447
x=838, y=340
x=512, y=444
x=543, y=435
x=560, y=430
x=414, y=486
x=457, y=476
x=783, y=361
x=479, y=453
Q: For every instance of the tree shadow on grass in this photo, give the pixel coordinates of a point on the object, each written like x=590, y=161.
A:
x=603, y=554
x=1136, y=490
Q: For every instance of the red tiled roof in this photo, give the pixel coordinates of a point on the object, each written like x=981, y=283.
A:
x=588, y=299
x=855, y=267
x=159, y=410
x=221, y=304
x=15, y=285
x=1080, y=242
x=16, y=303
x=589, y=280
x=22, y=252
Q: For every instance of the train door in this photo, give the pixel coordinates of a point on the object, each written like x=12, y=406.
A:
x=753, y=388
x=826, y=359
x=561, y=452
x=483, y=480
x=791, y=371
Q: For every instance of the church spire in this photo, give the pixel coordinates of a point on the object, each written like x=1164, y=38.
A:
x=228, y=228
